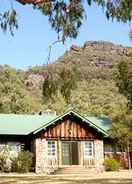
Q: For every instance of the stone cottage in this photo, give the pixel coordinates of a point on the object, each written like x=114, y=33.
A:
x=59, y=141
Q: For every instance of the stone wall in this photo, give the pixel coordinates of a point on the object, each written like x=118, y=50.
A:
x=99, y=154
x=44, y=164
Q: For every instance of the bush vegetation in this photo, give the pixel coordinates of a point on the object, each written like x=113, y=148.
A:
x=5, y=159
x=23, y=162
x=111, y=164
x=20, y=162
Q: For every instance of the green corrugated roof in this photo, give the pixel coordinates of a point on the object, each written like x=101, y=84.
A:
x=103, y=122
x=12, y=124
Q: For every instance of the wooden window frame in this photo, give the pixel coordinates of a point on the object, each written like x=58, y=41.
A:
x=88, y=149
x=51, y=148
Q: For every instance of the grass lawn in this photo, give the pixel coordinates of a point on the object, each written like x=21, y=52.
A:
x=124, y=177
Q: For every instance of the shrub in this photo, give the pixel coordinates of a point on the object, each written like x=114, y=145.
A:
x=23, y=162
x=5, y=159
x=111, y=164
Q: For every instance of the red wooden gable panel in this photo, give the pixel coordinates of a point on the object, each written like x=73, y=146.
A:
x=70, y=129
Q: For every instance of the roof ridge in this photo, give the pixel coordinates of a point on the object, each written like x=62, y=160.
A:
x=25, y=114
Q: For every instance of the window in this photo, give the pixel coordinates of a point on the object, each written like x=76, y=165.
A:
x=111, y=147
x=88, y=149
x=51, y=148
x=15, y=146
x=108, y=148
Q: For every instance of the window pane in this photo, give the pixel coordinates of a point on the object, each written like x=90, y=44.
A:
x=88, y=149
x=51, y=148
x=53, y=145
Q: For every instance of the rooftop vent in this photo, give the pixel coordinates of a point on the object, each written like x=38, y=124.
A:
x=48, y=112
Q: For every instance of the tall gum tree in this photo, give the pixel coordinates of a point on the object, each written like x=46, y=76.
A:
x=66, y=17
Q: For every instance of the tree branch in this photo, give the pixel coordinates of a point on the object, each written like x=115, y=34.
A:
x=34, y=2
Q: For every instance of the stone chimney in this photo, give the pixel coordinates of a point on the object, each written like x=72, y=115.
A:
x=47, y=112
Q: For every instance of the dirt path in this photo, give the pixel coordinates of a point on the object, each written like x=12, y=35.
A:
x=122, y=177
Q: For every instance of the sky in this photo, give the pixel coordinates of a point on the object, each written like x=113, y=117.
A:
x=30, y=44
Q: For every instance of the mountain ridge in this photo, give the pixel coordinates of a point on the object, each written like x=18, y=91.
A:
x=92, y=65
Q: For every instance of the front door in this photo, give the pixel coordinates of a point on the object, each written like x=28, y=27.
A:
x=74, y=147
x=70, y=153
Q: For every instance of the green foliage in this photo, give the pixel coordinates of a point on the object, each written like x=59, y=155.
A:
x=8, y=20
x=66, y=17
x=122, y=77
x=99, y=98
x=124, y=80
x=19, y=162
x=49, y=86
x=121, y=130
x=23, y=162
x=14, y=98
x=119, y=9
x=121, y=127
x=56, y=103
x=65, y=82
x=68, y=82
x=111, y=164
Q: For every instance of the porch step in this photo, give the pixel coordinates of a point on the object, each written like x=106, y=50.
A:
x=75, y=170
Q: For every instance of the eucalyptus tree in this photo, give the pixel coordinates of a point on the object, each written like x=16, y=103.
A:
x=66, y=17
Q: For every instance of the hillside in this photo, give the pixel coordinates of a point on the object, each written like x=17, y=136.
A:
x=93, y=60
x=91, y=68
